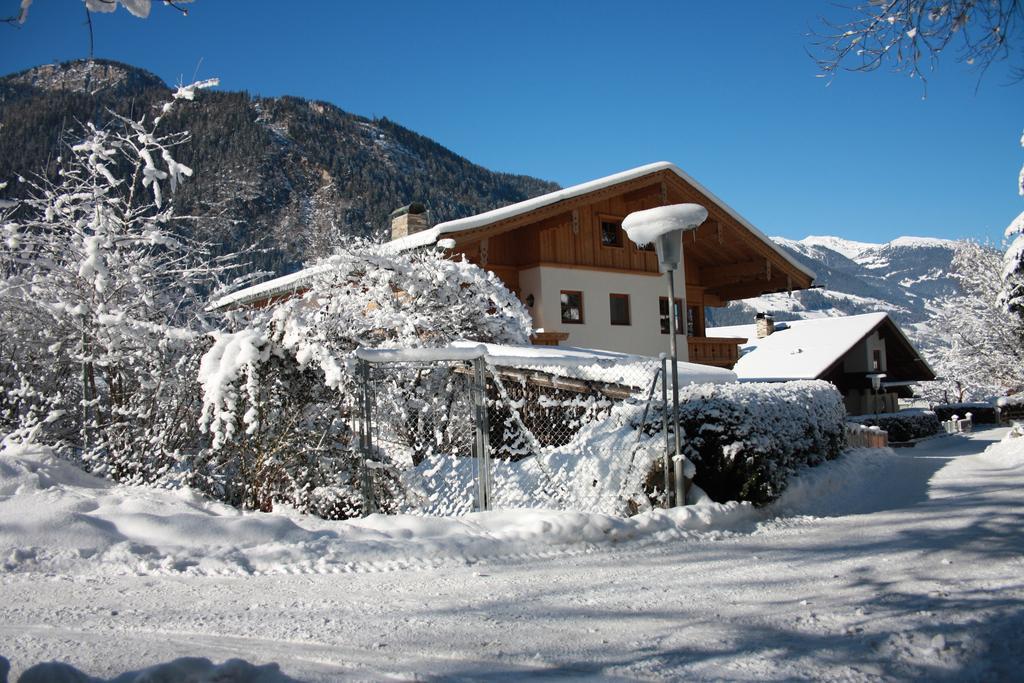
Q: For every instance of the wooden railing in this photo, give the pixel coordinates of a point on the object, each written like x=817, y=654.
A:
x=548, y=338
x=722, y=352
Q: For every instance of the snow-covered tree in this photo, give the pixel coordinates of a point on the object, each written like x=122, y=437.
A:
x=99, y=296
x=1013, y=260
x=985, y=355
x=275, y=390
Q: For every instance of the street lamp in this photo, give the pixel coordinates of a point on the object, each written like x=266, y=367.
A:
x=664, y=226
x=876, y=384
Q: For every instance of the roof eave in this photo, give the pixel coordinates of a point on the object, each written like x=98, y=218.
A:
x=481, y=220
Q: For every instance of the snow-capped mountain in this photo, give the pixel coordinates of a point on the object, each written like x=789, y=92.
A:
x=902, y=277
x=848, y=248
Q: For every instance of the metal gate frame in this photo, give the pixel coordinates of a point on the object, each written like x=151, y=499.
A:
x=481, y=441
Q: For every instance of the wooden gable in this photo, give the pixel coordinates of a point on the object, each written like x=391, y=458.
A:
x=724, y=259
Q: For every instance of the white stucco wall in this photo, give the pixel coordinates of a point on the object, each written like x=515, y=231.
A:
x=643, y=334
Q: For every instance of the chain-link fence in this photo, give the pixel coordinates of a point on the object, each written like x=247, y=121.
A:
x=459, y=430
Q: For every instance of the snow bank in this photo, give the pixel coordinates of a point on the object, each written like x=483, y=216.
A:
x=865, y=480
x=847, y=484
x=54, y=517
x=191, y=669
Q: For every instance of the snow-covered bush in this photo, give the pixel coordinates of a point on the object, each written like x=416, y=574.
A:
x=905, y=425
x=981, y=413
x=275, y=390
x=99, y=300
x=747, y=439
x=1012, y=294
x=1011, y=408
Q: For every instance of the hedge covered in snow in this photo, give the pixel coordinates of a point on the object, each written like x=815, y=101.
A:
x=981, y=413
x=905, y=425
x=1011, y=408
x=747, y=439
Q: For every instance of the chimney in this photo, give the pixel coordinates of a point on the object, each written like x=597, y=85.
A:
x=408, y=220
x=764, y=324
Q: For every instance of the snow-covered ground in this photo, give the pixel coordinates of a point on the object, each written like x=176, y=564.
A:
x=881, y=565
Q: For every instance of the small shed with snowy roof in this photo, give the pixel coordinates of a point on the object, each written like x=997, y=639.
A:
x=846, y=351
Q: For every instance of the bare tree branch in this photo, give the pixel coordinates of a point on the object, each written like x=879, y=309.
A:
x=19, y=18
x=909, y=36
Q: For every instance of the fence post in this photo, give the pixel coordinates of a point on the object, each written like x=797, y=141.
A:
x=366, y=437
x=482, y=442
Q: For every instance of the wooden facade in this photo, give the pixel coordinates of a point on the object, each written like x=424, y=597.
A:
x=570, y=243
x=723, y=259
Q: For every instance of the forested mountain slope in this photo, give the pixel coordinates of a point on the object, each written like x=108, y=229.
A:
x=291, y=175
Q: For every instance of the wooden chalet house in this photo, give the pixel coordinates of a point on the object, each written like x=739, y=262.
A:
x=585, y=284
x=566, y=256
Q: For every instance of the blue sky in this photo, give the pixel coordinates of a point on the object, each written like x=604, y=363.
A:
x=570, y=91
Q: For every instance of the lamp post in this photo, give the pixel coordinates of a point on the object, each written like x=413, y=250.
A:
x=665, y=225
x=876, y=384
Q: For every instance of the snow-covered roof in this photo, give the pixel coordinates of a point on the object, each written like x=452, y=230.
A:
x=288, y=283
x=594, y=365
x=480, y=220
x=284, y=284
x=798, y=349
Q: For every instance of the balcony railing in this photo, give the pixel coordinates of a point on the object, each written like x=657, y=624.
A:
x=722, y=352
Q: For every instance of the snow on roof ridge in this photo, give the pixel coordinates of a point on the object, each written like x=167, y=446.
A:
x=278, y=285
x=799, y=322
x=431, y=235
x=800, y=345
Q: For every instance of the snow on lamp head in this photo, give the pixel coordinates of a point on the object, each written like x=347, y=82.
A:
x=664, y=225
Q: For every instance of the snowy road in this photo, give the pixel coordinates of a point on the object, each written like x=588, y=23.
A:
x=909, y=566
